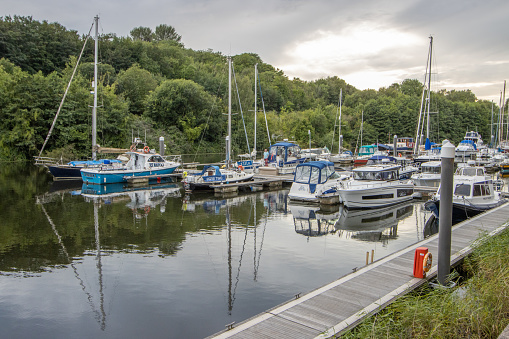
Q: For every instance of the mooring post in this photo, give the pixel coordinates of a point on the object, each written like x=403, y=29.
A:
x=395, y=145
x=445, y=216
x=161, y=146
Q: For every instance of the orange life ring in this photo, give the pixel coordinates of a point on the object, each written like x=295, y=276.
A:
x=241, y=167
x=399, y=155
x=146, y=149
x=426, y=262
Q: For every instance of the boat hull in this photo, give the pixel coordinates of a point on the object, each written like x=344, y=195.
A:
x=63, y=172
x=99, y=177
x=462, y=211
x=376, y=197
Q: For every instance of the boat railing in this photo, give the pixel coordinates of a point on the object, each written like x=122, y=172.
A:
x=46, y=161
x=174, y=158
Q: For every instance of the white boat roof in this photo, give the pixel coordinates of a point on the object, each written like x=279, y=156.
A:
x=436, y=163
x=376, y=168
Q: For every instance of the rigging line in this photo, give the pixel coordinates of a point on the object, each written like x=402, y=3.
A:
x=263, y=106
x=66, y=91
x=241, y=255
x=261, y=245
x=76, y=274
x=240, y=107
x=208, y=118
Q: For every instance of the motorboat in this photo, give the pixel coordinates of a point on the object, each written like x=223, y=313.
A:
x=473, y=193
x=313, y=178
x=430, y=174
x=144, y=163
x=310, y=154
x=372, y=187
x=406, y=170
x=343, y=158
x=285, y=156
x=465, y=150
x=214, y=175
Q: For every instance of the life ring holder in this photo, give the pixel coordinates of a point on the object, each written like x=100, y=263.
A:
x=427, y=262
x=146, y=149
x=132, y=148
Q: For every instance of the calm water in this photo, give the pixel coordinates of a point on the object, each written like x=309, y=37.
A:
x=92, y=262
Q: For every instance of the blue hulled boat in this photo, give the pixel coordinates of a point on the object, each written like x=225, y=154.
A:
x=140, y=164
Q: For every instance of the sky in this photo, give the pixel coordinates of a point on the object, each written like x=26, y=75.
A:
x=368, y=43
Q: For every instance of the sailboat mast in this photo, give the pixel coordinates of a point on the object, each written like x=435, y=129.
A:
x=228, y=138
x=255, y=95
x=94, y=109
x=339, y=132
x=428, y=99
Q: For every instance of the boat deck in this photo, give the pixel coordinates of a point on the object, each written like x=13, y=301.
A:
x=342, y=304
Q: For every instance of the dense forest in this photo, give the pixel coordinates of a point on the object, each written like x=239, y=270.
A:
x=151, y=85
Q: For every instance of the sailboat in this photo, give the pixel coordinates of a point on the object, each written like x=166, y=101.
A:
x=345, y=157
x=212, y=174
x=424, y=116
x=72, y=169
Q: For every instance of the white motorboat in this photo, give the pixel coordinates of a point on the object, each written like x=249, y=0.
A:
x=313, y=178
x=473, y=193
x=372, y=187
x=429, y=175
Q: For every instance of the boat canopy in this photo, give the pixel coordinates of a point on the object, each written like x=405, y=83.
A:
x=376, y=172
x=209, y=168
x=381, y=159
x=367, y=150
x=468, y=142
x=93, y=162
x=283, y=149
x=314, y=172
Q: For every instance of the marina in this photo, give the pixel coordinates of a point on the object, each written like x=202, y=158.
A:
x=336, y=307
x=103, y=254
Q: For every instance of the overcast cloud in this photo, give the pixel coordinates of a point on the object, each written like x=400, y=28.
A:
x=369, y=43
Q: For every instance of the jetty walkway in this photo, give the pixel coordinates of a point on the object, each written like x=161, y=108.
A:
x=334, y=308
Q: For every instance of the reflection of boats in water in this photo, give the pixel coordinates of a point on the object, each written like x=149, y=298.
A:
x=145, y=197
x=374, y=224
x=312, y=220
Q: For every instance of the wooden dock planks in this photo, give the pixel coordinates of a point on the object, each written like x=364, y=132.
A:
x=340, y=305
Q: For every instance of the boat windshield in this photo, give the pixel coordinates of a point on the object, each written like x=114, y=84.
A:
x=471, y=171
x=431, y=169
x=462, y=189
x=376, y=175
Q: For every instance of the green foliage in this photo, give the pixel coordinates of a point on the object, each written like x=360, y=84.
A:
x=151, y=81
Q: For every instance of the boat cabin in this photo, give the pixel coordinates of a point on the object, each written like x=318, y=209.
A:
x=431, y=167
x=368, y=150
x=376, y=173
x=315, y=172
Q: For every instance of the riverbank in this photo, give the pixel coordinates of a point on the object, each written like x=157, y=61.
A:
x=477, y=307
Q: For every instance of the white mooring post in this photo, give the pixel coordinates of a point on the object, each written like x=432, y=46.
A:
x=445, y=216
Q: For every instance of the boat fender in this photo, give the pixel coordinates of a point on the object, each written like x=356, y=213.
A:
x=427, y=262
x=146, y=149
x=184, y=175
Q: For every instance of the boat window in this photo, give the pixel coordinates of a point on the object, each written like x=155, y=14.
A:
x=462, y=189
x=302, y=174
x=431, y=170
x=156, y=158
x=477, y=190
x=315, y=175
x=480, y=172
x=469, y=171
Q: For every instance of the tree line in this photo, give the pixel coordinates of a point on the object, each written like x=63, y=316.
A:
x=151, y=84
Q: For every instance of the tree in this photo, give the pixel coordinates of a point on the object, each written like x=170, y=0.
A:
x=166, y=32
x=135, y=84
x=141, y=33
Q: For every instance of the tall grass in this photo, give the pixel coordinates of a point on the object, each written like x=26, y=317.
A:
x=478, y=307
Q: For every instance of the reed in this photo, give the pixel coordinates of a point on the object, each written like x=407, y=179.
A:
x=478, y=307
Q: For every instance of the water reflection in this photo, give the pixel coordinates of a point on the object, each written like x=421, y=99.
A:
x=197, y=258
x=314, y=220
x=379, y=225
x=139, y=199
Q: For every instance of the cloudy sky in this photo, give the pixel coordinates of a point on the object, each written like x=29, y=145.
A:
x=369, y=43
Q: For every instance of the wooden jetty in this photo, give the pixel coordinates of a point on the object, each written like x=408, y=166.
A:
x=341, y=305
x=258, y=181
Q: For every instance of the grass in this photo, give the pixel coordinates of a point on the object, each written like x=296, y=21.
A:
x=478, y=307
